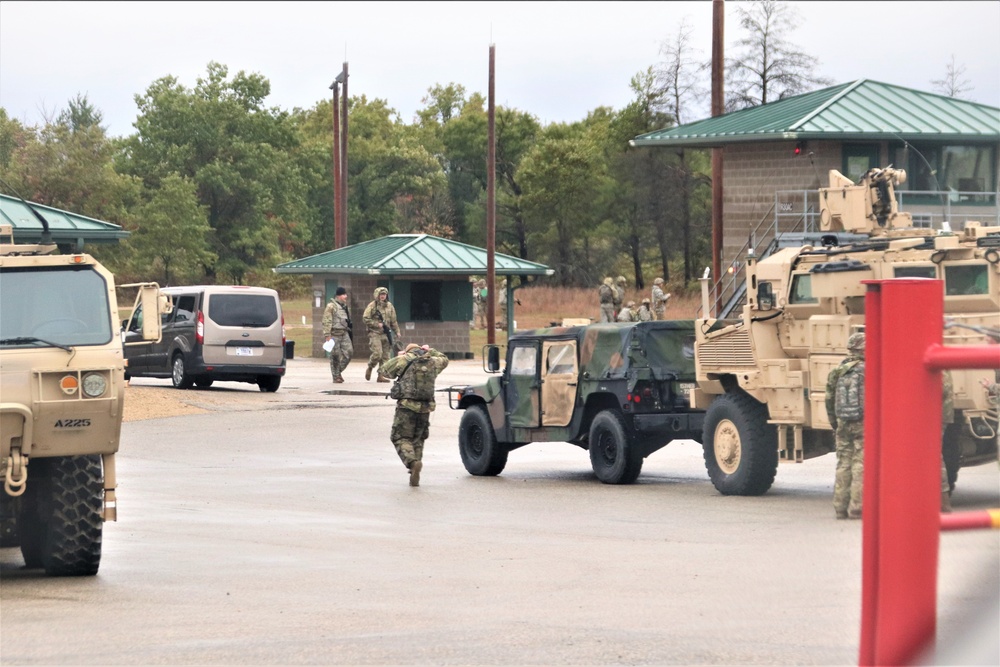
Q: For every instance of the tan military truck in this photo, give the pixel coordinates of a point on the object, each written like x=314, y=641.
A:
x=761, y=378
x=62, y=378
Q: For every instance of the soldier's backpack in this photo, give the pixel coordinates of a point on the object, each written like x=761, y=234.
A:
x=416, y=382
x=606, y=294
x=850, y=396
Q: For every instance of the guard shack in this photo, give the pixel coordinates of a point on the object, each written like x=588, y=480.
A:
x=428, y=279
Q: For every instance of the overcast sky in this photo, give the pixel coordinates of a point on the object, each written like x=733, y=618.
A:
x=556, y=60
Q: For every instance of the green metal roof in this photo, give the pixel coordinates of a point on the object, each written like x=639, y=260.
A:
x=65, y=227
x=411, y=254
x=860, y=110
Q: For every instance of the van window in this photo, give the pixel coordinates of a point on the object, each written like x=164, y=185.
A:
x=242, y=310
x=184, y=308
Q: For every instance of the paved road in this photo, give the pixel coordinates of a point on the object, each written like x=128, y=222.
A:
x=279, y=528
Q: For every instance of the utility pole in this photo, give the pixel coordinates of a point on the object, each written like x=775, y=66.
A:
x=343, y=162
x=491, y=207
x=718, y=106
x=337, y=222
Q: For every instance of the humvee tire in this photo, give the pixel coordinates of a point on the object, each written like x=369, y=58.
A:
x=64, y=534
x=741, y=448
x=481, y=454
x=178, y=373
x=614, y=457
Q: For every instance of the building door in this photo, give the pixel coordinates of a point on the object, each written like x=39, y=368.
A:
x=859, y=158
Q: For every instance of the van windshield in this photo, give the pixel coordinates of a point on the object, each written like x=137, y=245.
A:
x=53, y=306
x=242, y=310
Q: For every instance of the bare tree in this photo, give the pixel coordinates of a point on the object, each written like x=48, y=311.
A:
x=953, y=84
x=767, y=66
x=680, y=75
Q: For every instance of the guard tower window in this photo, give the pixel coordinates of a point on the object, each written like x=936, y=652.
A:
x=425, y=301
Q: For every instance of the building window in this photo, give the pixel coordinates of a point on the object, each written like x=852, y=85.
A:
x=425, y=301
x=960, y=170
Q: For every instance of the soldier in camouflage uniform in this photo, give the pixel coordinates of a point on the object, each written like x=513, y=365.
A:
x=337, y=325
x=619, y=298
x=644, y=314
x=380, y=319
x=947, y=417
x=479, y=295
x=845, y=404
x=502, y=303
x=606, y=293
x=659, y=300
x=416, y=368
x=628, y=314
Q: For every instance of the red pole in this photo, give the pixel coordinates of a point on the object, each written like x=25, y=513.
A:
x=939, y=357
x=907, y=447
x=975, y=519
x=870, y=503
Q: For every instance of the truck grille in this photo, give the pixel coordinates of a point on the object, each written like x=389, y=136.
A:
x=729, y=350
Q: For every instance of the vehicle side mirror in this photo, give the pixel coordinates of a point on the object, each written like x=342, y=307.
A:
x=765, y=297
x=493, y=359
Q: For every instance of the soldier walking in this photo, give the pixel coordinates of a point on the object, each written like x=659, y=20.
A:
x=383, y=331
x=659, y=300
x=845, y=408
x=606, y=293
x=337, y=326
x=415, y=370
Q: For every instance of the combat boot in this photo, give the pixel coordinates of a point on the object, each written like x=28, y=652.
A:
x=853, y=514
x=415, y=469
x=945, y=502
x=841, y=514
x=382, y=378
x=368, y=373
x=338, y=380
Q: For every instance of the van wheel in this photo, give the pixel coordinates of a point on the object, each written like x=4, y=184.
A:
x=203, y=383
x=61, y=528
x=481, y=454
x=178, y=373
x=613, y=455
x=740, y=447
x=269, y=383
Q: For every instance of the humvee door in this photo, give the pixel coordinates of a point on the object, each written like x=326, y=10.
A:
x=559, y=376
x=522, y=389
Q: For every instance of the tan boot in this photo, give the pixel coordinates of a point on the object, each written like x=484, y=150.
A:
x=339, y=380
x=368, y=373
x=945, y=502
x=415, y=469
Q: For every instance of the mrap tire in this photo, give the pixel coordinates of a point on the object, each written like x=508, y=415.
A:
x=740, y=447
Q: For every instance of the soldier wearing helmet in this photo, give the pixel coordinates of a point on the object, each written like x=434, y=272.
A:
x=628, y=314
x=644, y=314
x=606, y=293
x=380, y=320
x=845, y=404
x=619, y=298
x=659, y=300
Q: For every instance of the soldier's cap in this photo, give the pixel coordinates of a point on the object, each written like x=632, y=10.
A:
x=380, y=290
x=856, y=343
x=341, y=290
x=645, y=300
x=658, y=281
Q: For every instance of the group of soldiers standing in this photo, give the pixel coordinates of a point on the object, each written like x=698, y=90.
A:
x=480, y=295
x=611, y=295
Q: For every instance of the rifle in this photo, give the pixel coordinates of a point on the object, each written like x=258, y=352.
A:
x=387, y=331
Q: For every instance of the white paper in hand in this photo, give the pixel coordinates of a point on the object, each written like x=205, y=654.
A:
x=328, y=345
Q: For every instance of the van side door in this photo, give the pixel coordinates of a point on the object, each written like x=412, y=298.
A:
x=178, y=323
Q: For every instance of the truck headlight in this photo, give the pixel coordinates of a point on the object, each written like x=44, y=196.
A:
x=94, y=385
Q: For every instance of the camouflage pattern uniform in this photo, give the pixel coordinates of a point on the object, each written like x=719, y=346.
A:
x=336, y=325
x=644, y=314
x=947, y=417
x=619, y=297
x=606, y=292
x=659, y=300
x=377, y=314
x=626, y=314
x=502, y=303
x=845, y=400
x=479, y=296
x=419, y=369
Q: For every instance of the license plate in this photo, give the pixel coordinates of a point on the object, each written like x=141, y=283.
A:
x=244, y=352
x=687, y=387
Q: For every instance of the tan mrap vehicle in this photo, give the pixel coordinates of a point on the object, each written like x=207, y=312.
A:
x=62, y=379
x=762, y=377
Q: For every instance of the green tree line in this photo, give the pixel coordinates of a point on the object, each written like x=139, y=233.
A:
x=215, y=185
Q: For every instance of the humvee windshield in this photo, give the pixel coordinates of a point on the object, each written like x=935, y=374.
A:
x=58, y=305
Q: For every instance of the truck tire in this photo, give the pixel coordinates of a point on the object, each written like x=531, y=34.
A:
x=741, y=448
x=61, y=528
x=481, y=454
x=178, y=373
x=613, y=455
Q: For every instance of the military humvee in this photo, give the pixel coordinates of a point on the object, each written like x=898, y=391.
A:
x=762, y=377
x=617, y=390
x=62, y=372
